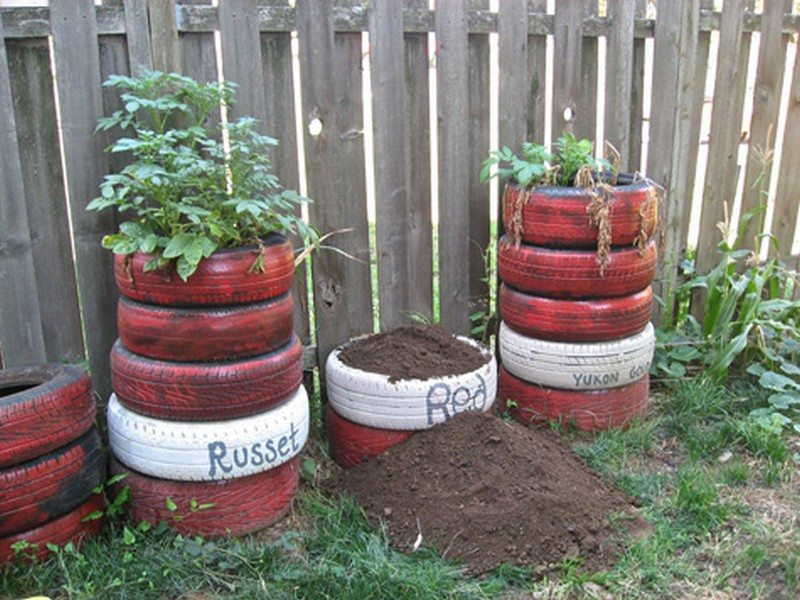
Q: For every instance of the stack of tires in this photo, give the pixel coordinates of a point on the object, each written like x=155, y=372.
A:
x=368, y=413
x=51, y=460
x=208, y=413
x=576, y=342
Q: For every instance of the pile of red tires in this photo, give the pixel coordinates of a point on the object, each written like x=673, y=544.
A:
x=51, y=460
x=368, y=413
x=208, y=413
x=576, y=340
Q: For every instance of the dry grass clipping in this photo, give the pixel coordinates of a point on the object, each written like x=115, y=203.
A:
x=599, y=211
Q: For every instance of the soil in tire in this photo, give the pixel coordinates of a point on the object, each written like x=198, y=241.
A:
x=485, y=492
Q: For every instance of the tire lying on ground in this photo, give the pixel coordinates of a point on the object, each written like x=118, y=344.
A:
x=224, y=278
x=210, y=391
x=75, y=526
x=596, y=320
x=211, y=450
x=45, y=488
x=213, y=508
x=576, y=366
x=575, y=273
x=556, y=216
x=352, y=444
x=590, y=410
x=205, y=334
x=371, y=399
x=41, y=409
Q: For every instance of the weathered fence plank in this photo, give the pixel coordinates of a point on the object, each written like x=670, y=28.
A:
x=634, y=157
x=165, y=50
x=331, y=82
x=418, y=168
x=479, y=193
x=512, y=51
x=21, y=325
x=452, y=111
x=537, y=78
x=586, y=123
x=619, y=73
x=786, y=204
x=568, y=51
x=391, y=157
x=670, y=126
x=77, y=64
x=137, y=35
x=726, y=118
x=45, y=199
x=114, y=60
x=764, y=120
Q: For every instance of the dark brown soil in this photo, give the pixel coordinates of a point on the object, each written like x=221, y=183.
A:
x=416, y=352
x=484, y=492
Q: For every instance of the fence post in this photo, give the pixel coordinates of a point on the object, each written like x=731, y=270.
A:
x=21, y=324
x=619, y=72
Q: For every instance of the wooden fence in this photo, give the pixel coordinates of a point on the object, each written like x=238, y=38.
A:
x=57, y=296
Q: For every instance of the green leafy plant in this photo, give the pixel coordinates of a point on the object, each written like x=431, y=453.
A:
x=192, y=186
x=537, y=166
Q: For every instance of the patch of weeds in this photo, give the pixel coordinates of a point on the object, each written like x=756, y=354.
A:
x=696, y=503
x=611, y=448
x=735, y=474
x=763, y=443
x=645, y=486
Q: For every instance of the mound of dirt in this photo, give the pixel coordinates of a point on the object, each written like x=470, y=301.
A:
x=484, y=492
x=416, y=352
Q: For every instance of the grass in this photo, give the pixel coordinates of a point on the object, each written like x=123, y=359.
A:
x=722, y=497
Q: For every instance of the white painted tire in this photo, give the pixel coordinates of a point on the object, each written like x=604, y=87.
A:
x=210, y=450
x=566, y=366
x=370, y=399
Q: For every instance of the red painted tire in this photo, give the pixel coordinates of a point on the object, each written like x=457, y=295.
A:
x=69, y=528
x=212, y=391
x=45, y=488
x=556, y=216
x=41, y=409
x=241, y=505
x=575, y=273
x=204, y=334
x=588, y=410
x=221, y=279
x=598, y=320
x=351, y=444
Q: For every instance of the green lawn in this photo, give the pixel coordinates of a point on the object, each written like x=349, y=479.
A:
x=722, y=495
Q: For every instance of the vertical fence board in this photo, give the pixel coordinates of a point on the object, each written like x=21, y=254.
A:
x=726, y=118
x=452, y=111
x=137, y=34
x=165, y=50
x=766, y=105
x=786, y=203
x=512, y=51
x=241, y=57
x=567, y=51
x=198, y=56
x=670, y=130
x=478, y=124
x=276, y=53
x=586, y=124
x=20, y=327
x=390, y=150
x=114, y=60
x=331, y=80
x=77, y=63
x=418, y=171
x=537, y=78
x=619, y=73
x=634, y=158
x=37, y=134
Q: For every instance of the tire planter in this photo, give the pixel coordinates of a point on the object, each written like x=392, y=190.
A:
x=597, y=320
x=221, y=279
x=209, y=451
x=556, y=216
x=204, y=334
x=41, y=409
x=45, y=488
x=238, y=506
x=575, y=366
x=588, y=410
x=371, y=399
x=351, y=443
x=70, y=527
x=575, y=274
x=211, y=391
